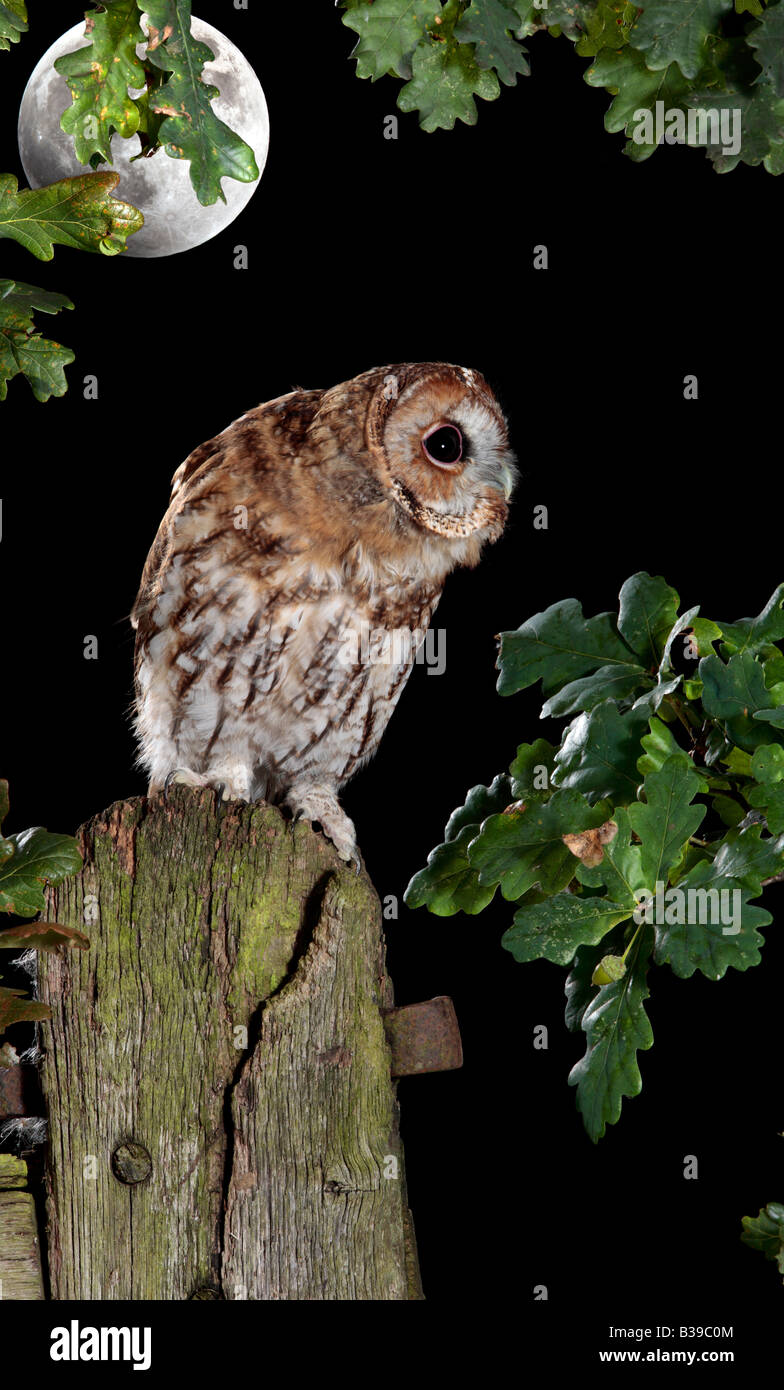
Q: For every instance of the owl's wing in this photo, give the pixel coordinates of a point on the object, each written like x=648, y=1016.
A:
x=211, y=453
x=206, y=572
x=290, y=415
x=205, y=453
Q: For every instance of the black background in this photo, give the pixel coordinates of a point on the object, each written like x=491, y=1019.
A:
x=363, y=251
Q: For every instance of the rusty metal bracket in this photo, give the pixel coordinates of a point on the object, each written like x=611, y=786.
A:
x=424, y=1037
x=18, y=1091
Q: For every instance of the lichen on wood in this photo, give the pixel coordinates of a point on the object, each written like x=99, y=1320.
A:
x=227, y=1021
x=20, y=1253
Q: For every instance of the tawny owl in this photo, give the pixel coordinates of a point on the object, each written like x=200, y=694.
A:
x=311, y=522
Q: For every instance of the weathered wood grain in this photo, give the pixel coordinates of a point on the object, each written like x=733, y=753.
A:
x=226, y=1021
x=20, y=1253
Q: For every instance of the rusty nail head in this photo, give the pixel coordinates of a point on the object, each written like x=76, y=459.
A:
x=424, y=1037
x=131, y=1163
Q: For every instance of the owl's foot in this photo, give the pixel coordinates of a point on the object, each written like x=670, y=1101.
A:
x=320, y=804
x=226, y=786
x=231, y=780
x=181, y=776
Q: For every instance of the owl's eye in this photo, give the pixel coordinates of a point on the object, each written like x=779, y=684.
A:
x=444, y=445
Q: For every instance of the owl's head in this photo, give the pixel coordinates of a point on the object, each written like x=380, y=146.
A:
x=433, y=471
x=438, y=438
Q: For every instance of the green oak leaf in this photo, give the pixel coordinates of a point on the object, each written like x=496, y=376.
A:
x=525, y=846
x=609, y=26
x=449, y=884
x=718, y=747
x=636, y=88
x=728, y=810
x=98, y=78
x=682, y=628
x=667, y=681
x=608, y=683
x=766, y=1233
x=480, y=803
x=705, y=633
x=771, y=716
x=24, y=352
x=38, y=859
x=659, y=744
x=714, y=926
x=553, y=930
x=557, y=646
x=616, y=1028
x=445, y=79
x=751, y=634
x=666, y=55
x=666, y=820
x=191, y=130
x=773, y=671
x=530, y=17
x=648, y=612
x=13, y=22
x=759, y=114
x=692, y=854
x=738, y=762
x=150, y=120
x=767, y=763
x=650, y=700
x=744, y=855
x=676, y=31
x=533, y=765
x=599, y=753
x=579, y=987
x=734, y=692
x=487, y=25
x=606, y=886
x=569, y=17
x=76, y=212
x=388, y=32
x=767, y=40
x=769, y=798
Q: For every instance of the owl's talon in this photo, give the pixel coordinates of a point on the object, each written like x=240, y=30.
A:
x=181, y=776
x=319, y=803
x=222, y=798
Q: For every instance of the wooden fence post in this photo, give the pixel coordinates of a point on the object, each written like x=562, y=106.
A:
x=20, y=1254
x=223, y=1123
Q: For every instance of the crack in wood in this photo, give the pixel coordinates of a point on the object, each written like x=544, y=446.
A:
x=209, y=927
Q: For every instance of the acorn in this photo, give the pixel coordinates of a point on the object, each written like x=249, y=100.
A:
x=609, y=969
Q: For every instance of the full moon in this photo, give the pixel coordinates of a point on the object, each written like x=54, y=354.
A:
x=160, y=186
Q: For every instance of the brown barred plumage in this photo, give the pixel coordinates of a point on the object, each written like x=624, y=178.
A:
x=311, y=520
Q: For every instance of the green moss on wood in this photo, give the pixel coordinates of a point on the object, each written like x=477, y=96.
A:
x=202, y=918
